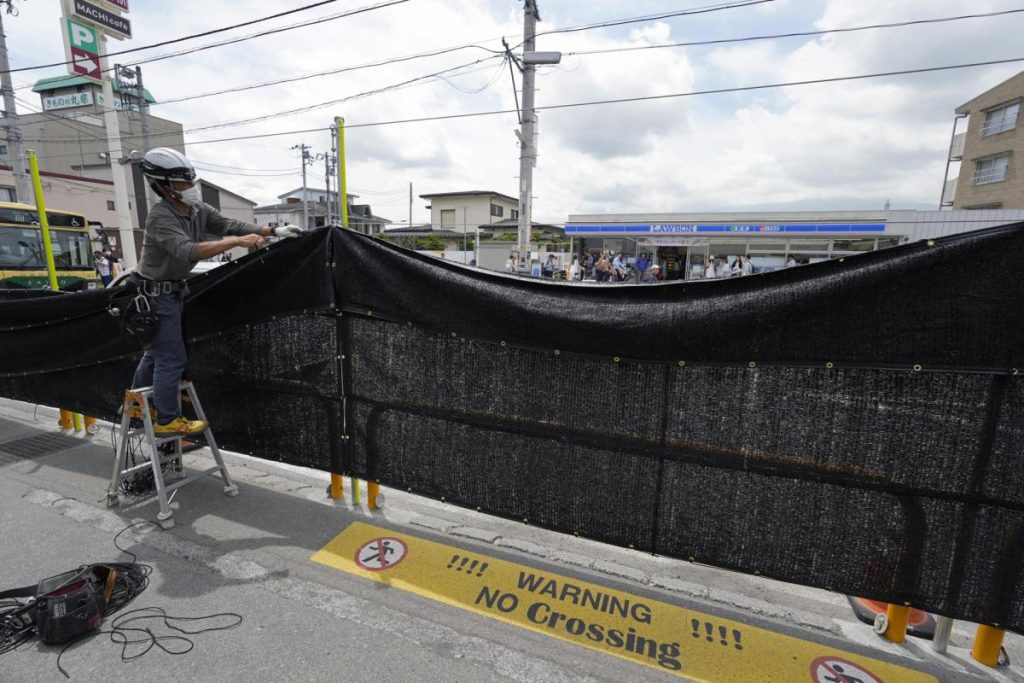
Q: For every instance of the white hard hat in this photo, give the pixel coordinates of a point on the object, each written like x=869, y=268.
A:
x=162, y=165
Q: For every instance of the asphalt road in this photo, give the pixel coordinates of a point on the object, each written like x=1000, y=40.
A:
x=303, y=620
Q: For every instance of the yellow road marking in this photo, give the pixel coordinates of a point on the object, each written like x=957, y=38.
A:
x=656, y=634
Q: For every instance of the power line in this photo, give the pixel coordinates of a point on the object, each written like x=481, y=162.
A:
x=231, y=41
x=798, y=34
x=652, y=17
x=189, y=37
x=695, y=93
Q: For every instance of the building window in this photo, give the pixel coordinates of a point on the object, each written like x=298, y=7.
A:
x=110, y=205
x=992, y=169
x=3, y=150
x=6, y=194
x=982, y=207
x=515, y=214
x=447, y=218
x=498, y=211
x=1001, y=118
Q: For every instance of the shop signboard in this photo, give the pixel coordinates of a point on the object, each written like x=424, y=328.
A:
x=113, y=24
x=691, y=228
x=81, y=43
x=68, y=101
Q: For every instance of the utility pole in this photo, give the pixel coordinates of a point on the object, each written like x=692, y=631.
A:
x=527, y=153
x=528, y=133
x=305, y=206
x=12, y=128
x=410, y=205
x=118, y=171
x=327, y=179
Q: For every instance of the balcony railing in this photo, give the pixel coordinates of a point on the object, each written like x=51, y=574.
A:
x=998, y=125
x=989, y=175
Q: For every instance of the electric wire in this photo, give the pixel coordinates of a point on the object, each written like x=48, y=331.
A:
x=795, y=34
x=184, y=38
x=570, y=105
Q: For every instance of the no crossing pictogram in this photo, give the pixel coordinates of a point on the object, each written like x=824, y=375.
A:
x=836, y=670
x=381, y=553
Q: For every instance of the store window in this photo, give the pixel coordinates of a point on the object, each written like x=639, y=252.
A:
x=863, y=244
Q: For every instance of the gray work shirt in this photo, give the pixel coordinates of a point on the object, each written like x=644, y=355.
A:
x=170, y=244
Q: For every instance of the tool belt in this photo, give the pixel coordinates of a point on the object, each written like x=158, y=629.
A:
x=157, y=287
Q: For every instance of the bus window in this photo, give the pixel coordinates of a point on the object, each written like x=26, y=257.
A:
x=71, y=249
x=20, y=247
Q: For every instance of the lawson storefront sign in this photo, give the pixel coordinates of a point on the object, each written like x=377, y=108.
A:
x=690, y=228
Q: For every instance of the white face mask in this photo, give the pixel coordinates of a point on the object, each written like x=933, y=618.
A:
x=191, y=196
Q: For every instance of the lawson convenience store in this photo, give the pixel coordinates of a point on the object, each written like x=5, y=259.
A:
x=685, y=243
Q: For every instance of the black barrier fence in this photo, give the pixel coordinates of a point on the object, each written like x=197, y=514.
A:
x=854, y=425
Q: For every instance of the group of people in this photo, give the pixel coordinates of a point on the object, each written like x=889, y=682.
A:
x=721, y=268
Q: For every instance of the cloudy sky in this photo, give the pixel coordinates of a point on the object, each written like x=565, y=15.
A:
x=843, y=145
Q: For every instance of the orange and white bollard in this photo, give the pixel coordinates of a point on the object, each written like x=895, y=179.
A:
x=67, y=420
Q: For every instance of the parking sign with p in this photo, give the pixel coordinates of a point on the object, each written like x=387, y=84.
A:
x=83, y=49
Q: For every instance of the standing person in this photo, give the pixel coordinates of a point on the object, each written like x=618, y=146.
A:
x=103, y=268
x=180, y=230
x=709, y=270
x=651, y=276
x=510, y=264
x=574, y=270
x=747, y=266
x=643, y=263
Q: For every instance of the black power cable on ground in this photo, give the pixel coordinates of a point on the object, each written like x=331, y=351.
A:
x=132, y=628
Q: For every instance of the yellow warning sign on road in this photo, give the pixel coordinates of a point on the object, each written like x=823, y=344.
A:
x=656, y=634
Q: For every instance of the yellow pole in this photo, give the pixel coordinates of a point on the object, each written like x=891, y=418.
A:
x=44, y=223
x=78, y=421
x=896, y=617
x=988, y=641
x=337, y=488
x=356, y=497
x=339, y=124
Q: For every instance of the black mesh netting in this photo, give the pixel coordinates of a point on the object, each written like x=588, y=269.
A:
x=856, y=425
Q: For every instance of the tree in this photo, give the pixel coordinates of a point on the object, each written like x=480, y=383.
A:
x=430, y=242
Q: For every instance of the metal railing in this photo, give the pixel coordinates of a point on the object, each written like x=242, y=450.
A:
x=998, y=125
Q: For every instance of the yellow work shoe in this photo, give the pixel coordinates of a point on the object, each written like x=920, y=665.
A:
x=179, y=426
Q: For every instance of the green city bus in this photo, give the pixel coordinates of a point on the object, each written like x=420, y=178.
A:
x=23, y=261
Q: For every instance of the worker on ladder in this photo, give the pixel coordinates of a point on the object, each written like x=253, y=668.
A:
x=180, y=230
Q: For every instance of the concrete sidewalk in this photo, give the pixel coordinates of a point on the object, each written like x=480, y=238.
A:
x=250, y=555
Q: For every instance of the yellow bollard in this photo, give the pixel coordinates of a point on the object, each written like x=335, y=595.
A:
x=356, y=497
x=988, y=641
x=66, y=420
x=337, y=487
x=78, y=421
x=896, y=618
x=372, y=491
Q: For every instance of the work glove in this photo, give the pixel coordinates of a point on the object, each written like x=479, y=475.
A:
x=288, y=231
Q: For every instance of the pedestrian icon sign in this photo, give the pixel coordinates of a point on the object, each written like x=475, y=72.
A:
x=381, y=553
x=837, y=670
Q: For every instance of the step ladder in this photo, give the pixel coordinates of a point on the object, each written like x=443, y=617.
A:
x=137, y=407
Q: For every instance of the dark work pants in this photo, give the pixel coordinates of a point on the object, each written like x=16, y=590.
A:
x=163, y=364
